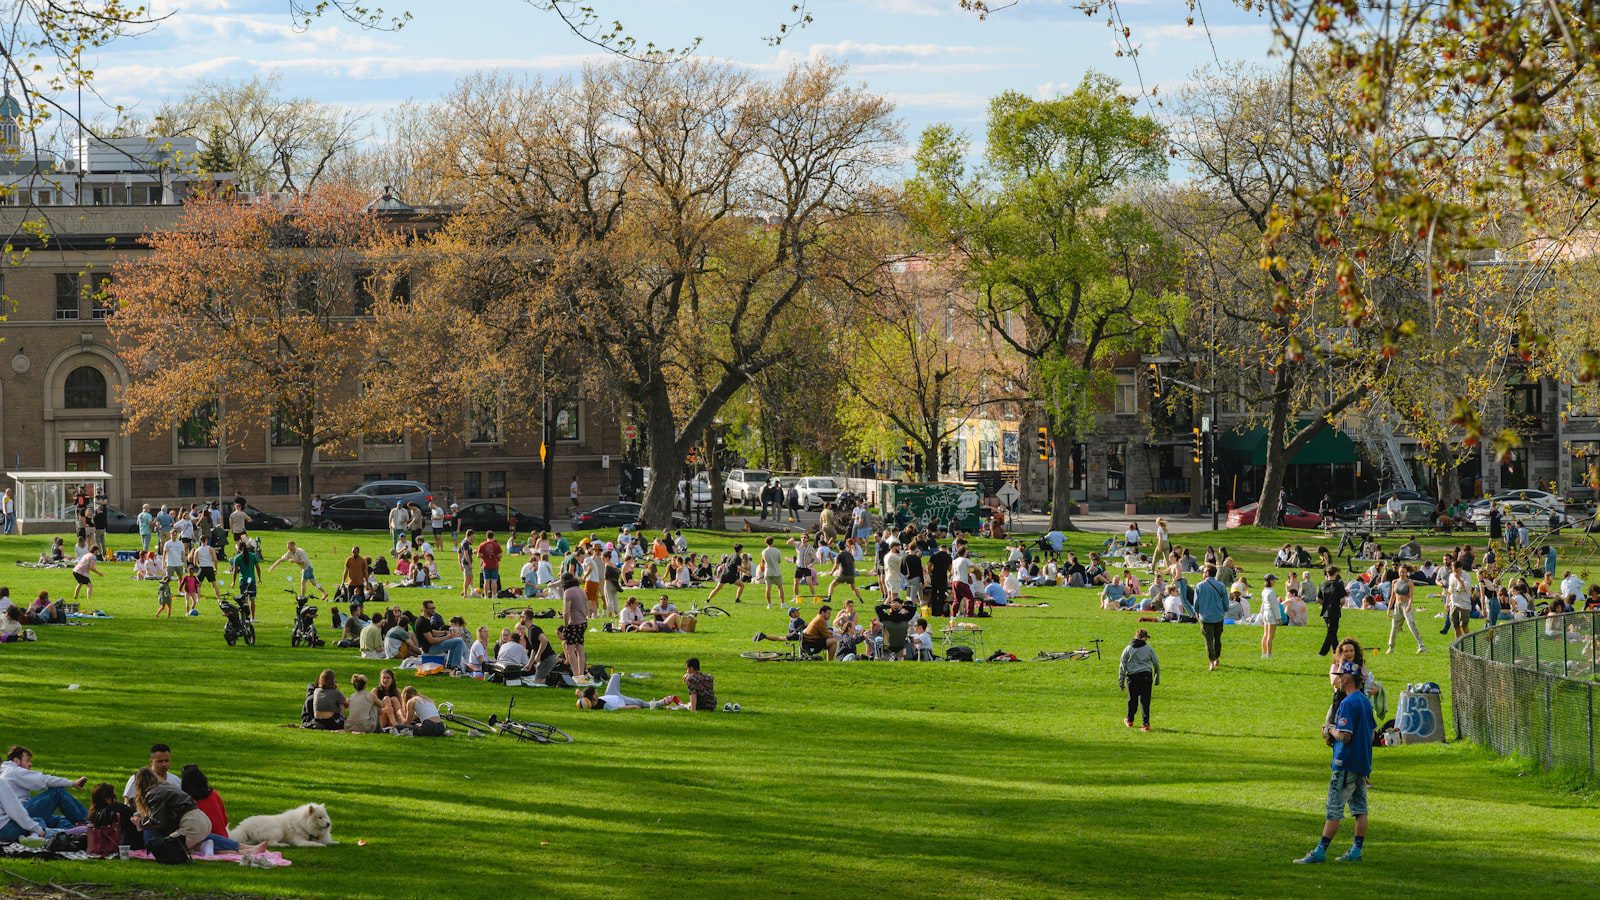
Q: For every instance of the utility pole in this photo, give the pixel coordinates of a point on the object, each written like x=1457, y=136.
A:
x=546, y=448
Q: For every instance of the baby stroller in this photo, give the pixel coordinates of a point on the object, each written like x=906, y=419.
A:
x=305, y=626
x=235, y=624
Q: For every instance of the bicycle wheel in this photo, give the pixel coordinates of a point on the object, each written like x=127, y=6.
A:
x=537, y=732
x=714, y=611
x=250, y=636
x=762, y=655
x=472, y=725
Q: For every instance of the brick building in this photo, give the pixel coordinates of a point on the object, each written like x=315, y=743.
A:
x=60, y=379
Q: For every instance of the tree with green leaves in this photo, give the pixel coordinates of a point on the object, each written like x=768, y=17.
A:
x=1060, y=271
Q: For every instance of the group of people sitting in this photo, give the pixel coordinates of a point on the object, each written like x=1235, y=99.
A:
x=17, y=621
x=895, y=631
x=387, y=708
x=156, y=805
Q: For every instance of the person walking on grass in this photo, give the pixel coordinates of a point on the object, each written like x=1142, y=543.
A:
x=81, y=570
x=1350, y=735
x=731, y=571
x=1137, y=673
x=1401, y=593
x=1211, y=607
x=772, y=573
x=1330, y=597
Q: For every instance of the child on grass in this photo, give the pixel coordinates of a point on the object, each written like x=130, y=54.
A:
x=164, y=597
x=190, y=586
x=1137, y=673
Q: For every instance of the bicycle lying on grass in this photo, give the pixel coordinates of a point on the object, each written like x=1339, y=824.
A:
x=787, y=654
x=1080, y=653
x=537, y=732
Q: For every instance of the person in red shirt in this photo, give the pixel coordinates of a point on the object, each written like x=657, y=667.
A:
x=208, y=801
x=489, y=554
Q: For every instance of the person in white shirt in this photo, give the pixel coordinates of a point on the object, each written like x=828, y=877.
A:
x=174, y=551
x=544, y=574
x=1571, y=586
x=894, y=577
x=478, y=654
x=185, y=529
x=631, y=617
x=512, y=652
x=530, y=579
x=772, y=572
x=962, y=569
x=161, y=764
x=1271, y=614
x=436, y=519
x=920, y=640
x=81, y=571
x=46, y=798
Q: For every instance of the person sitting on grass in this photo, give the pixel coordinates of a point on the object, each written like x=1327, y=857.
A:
x=47, y=798
x=166, y=811
x=421, y=714
x=994, y=593
x=896, y=618
x=362, y=710
x=797, y=626
x=701, y=687
x=631, y=617
x=107, y=811
x=391, y=705
x=328, y=703
x=919, y=644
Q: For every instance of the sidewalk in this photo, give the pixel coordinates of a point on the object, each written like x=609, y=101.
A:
x=1113, y=522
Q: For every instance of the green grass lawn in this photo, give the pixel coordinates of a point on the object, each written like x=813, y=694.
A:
x=844, y=779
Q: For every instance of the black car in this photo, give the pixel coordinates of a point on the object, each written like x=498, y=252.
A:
x=117, y=521
x=487, y=515
x=265, y=521
x=615, y=515
x=1354, y=508
x=358, y=511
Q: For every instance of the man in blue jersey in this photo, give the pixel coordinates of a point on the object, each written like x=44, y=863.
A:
x=1350, y=732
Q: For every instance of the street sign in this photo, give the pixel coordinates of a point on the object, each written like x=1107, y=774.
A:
x=630, y=431
x=605, y=461
x=1008, y=495
x=1205, y=424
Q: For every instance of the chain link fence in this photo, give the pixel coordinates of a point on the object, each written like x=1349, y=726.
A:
x=1528, y=687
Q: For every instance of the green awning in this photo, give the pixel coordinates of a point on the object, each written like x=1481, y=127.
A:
x=1329, y=446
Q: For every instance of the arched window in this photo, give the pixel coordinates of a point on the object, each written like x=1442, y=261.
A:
x=86, y=389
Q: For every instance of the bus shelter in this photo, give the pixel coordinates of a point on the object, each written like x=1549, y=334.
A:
x=44, y=499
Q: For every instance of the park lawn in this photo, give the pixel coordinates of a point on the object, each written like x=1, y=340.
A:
x=844, y=779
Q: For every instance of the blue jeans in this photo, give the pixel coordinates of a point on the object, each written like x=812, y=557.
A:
x=453, y=649
x=1494, y=611
x=11, y=832
x=11, y=522
x=56, y=808
x=218, y=842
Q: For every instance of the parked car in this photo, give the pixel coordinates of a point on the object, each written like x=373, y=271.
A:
x=392, y=490
x=1409, y=513
x=1525, y=495
x=354, y=511
x=1352, y=509
x=117, y=521
x=263, y=521
x=817, y=491
x=745, y=485
x=1533, y=513
x=489, y=515
x=615, y=515
x=1293, y=516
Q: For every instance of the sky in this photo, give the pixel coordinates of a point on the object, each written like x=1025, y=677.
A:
x=936, y=62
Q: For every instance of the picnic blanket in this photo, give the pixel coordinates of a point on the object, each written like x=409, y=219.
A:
x=271, y=856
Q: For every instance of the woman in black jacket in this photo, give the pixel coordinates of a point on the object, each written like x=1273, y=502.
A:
x=1330, y=597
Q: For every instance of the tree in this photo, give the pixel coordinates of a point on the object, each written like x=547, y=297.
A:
x=673, y=216
x=1065, y=277
x=253, y=307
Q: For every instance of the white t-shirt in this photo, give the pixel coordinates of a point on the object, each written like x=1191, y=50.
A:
x=185, y=528
x=513, y=653
x=174, y=550
x=923, y=641
x=1270, y=610
x=127, y=792
x=962, y=566
x=772, y=562
x=631, y=615
x=1572, y=585
x=436, y=517
x=479, y=654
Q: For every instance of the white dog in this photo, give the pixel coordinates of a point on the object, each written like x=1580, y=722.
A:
x=303, y=826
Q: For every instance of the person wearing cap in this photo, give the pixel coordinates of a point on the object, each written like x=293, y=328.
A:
x=1350, y=734
x=1271, y=613
x=397, y=521
x=797, y=627
x=1137, y=673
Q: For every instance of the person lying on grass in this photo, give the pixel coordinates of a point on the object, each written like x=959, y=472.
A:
x=614, y=700
x=797, y=626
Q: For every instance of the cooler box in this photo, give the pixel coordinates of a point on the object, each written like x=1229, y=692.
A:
x=1420, y=719
x=127, y=555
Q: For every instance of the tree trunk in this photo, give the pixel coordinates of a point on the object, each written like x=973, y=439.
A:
x=714, y=477
x=1277, y=463
x=1061, y=456
x=666, y=463
x=308, y=452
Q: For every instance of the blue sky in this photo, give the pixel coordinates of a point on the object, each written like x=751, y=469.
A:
x=936, y=62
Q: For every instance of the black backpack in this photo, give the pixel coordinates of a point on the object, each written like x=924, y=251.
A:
x=169, y=851
x=308, y=712
x=958, y=653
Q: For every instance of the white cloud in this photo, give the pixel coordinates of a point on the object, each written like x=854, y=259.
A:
x=857, y=49
x=144, y=79
x=916, y=7
x=938, y=100
x=1173, y=31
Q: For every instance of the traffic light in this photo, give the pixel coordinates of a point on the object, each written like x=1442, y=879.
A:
x=1199, y=444
x=1155, y=381
x=1044, y=443
x=947, y=458
x=908, y=458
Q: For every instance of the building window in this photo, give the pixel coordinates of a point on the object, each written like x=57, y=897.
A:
x=1126, y=402
x=568, y=414
x=186, y=487
x=363, y=292
x=485, y=424
x=472, y=485
x=400, y=290
x=101, y=299
x=280, y=485
x=497, y=484
x=85, y=389
x=283, y=434
x=199, y=431
x=1585, y=463
x=67, y=296
x=210, y=486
